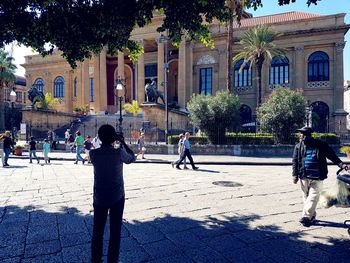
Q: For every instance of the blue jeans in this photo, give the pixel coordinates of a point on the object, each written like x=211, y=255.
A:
x=7, y=152
x=33, y=152
x=78, y=156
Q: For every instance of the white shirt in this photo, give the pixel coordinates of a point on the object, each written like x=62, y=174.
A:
x=96, y=142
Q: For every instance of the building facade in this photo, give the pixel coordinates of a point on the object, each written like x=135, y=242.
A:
x=313, y=65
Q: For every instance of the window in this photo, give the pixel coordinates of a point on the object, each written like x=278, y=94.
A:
x=318, y=67
x=243, y=78
x=206, y=81
x=151, y=72
x=39, y=84
x=279, y=71
x=91, y=89
x=58, y=91
x=19, y=96
x=75, y=87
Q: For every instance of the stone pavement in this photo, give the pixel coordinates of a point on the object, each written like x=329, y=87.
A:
x=220, y=213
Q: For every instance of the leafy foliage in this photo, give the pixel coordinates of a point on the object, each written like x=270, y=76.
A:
x=282, y=114
x=214, y=114
x=47, y=103
x=80, y=28
x=132, y=107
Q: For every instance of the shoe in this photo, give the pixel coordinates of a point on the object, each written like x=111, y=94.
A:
x=143, y=158
x=185, y=168
x=49, y=160
x=195, y=168
x=177, y=167
x=305, y=221
x=38, y=161
x=30, y=162
x=313, y=219
x=83, y=161
x=172, y=164
x=75, y=162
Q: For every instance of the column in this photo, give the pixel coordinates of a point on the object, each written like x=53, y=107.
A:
x=68, y=96
x=222, y=70
x=182, y=74
x=121, y=65
x=103, y=80
x=85, y=83
x=160, y=64
x=140, y=88
x=189, y=87
x=298, y=69
x=338, y=89
x=97, y=106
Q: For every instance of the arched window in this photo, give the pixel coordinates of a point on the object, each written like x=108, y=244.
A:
x=279, y=71
x=243, y=78
x=39, y=84
x=246, y=114
x=319, y=116
x=318, y=67
x=58, y=91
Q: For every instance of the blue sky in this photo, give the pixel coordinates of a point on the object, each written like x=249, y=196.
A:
x=324, y=7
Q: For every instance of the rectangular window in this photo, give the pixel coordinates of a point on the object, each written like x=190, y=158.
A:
x=286, y=74
x=19, y=96
x=206, y=81
x=151, y=71
x=91, y=89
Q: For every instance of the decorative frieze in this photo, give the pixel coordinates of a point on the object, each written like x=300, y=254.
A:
x=206, y=60
x=274, y=86
x=318, y=84
x=243, y=88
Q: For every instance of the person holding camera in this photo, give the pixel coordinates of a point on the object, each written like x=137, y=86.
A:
x=108, y=192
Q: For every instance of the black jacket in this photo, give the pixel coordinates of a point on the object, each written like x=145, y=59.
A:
x=323, y=151
x=8, y=143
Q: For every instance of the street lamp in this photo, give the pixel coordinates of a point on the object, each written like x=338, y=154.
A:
x=13, y=97
x=119, y=86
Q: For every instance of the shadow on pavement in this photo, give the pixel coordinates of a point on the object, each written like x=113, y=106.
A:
x=29, y=234
x=15, y=166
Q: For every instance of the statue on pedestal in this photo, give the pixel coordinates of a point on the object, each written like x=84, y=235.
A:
x=152, y=93
x=34, y=95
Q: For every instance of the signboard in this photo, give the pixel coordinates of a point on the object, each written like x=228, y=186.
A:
x=23, y=128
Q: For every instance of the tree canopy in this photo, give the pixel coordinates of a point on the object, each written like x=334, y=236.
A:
x=80, y=28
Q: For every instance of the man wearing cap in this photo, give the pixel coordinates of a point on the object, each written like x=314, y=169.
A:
x=310, y=166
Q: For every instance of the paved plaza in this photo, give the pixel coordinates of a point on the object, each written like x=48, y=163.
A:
x=220, y=213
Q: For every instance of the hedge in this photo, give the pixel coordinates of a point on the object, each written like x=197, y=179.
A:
x=253, y=138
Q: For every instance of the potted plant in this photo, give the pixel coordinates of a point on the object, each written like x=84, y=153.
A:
x=345, y=149
x=18, y=149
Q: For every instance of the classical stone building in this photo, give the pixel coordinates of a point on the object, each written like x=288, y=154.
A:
x=313, y=64
x=21, y=93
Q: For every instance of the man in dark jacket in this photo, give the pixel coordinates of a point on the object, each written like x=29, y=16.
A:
x=109, y=194
x=8, y=144
x=310, y=166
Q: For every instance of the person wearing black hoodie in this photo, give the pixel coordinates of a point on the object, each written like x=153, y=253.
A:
x=310, y=166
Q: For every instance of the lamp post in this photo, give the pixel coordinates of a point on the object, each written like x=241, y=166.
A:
x=13, y=97
x=164, y=39
x=119, y=86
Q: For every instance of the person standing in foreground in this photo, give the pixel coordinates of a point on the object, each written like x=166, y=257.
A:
x=32, y=150
x=186, y=152
x=109, y=195
x=8, y=144
x=79, y=142
x=310, y=166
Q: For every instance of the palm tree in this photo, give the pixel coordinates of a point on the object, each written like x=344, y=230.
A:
x=7, y=79
x=257, y=45
x=236, y=8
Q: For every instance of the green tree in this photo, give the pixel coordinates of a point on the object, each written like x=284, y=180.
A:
x=257, y=45
x=96, y=24
x=7, y=79
x=47, y=103
x=282, y=114
x=214, y=114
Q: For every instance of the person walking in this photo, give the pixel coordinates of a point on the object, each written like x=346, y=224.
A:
x=78, y=142
x=66, y=136
x=108, y=191
x=180, y=150
x=7, y=146
x=46, y=150
x=310, y=167
x=141, y=146
x=185, y=153
x=32, y=150
x=87, y=147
